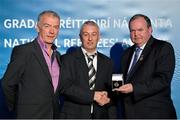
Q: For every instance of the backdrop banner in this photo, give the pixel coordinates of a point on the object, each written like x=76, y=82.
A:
x=19, y=17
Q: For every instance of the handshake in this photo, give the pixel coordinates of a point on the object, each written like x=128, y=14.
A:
x=101, y=97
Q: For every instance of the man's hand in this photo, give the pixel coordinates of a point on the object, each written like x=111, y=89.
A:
x=101, y=97
x=127, y=88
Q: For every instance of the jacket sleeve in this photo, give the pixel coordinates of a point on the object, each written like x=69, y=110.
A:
x=12, y=77
x=112, y=111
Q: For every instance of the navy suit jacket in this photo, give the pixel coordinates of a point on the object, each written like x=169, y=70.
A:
x=151, y=79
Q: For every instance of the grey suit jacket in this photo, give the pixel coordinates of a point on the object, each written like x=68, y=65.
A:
x=27, y=83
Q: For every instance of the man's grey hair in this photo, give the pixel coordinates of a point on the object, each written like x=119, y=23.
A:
x=88, y=23
x=48, y=12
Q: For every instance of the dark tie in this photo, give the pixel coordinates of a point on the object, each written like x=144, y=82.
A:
x=92, y=72
x=137, y=51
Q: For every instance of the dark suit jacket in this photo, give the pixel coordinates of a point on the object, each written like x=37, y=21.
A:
x=77, y=95
x=151, y=80
x=27, y=83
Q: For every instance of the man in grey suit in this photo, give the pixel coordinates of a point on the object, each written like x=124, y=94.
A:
x=148, y=67
x=87, y=75
x=31, y=81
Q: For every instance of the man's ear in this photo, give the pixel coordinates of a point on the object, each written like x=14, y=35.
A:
x=37, y=27
x=99, y=36
x=150, y=30
x=80, y=36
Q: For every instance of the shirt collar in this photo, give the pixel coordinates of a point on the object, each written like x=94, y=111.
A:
x=142, y=47
x=85, y=52
x=44, y=46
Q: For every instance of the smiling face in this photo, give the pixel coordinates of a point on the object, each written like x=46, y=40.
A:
x=48, y=28
x=89, y=37
x=139, y=31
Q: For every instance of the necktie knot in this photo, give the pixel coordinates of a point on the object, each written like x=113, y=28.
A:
x=138, y=49
x=90, y=57
x=137, y=52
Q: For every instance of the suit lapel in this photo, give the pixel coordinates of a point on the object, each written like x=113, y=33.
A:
x=60, y=68
x=58, y=58
x=82, y=64
x=99, y=67
x=128, y=58
x=143, y=56
x=39, y=55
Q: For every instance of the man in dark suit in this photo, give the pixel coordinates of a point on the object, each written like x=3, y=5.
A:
x=87, y=95
x=31, y=81
x=148, y=68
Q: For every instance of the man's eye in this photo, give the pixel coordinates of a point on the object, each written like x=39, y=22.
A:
x=140, y=30
x=46, y=26
x=85, y=34
x=94, y=34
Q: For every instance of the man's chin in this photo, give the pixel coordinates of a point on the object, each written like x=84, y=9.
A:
x=49, y=43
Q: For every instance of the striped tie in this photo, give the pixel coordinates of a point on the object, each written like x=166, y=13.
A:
x=92, y=72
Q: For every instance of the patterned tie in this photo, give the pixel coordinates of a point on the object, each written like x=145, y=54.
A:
x=92, y=72
x=137, y=51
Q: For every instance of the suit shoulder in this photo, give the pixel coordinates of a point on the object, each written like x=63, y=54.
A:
x=23, y=46
x=163, y=44
x=65, y=56
x=70, y=55
x=127, y=50
x=104, y=57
